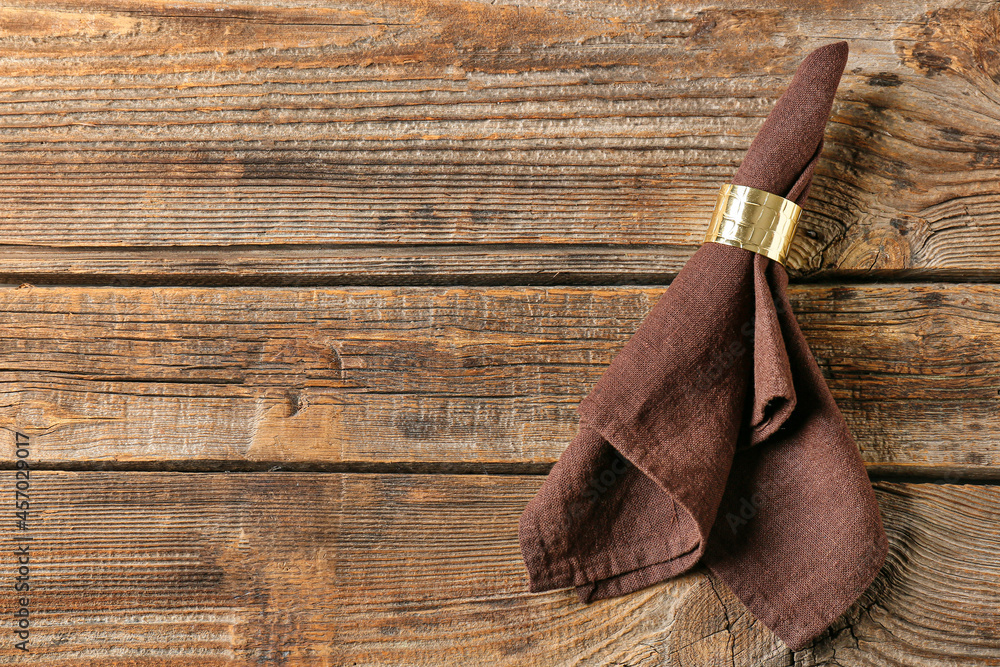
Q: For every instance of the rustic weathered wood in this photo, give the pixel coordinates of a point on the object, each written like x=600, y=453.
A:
x=334, y=569
x=449, y=376
x=387, y=141
x=453, y=142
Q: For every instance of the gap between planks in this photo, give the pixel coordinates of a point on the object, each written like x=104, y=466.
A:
x=877, y=473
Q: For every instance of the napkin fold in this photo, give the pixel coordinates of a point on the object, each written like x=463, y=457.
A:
x=712, y=435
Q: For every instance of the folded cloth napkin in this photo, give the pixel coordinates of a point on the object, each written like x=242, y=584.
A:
x=713, y=437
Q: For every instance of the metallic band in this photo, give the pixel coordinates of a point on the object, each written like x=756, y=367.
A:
x=754, y=220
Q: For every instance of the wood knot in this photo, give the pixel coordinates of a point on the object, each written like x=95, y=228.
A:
x=876, y=250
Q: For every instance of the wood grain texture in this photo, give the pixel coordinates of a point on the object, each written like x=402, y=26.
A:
x=461, y=377
x=401, y=141
x=330, y=569
x=229, y=147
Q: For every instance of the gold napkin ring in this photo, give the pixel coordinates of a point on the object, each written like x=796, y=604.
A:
x=754, y=220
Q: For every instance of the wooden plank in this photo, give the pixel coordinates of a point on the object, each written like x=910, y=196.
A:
x=473, y=378
x=579, y=140
x=333, y=569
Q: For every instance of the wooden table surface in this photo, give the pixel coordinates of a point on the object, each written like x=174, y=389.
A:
x=300, y=298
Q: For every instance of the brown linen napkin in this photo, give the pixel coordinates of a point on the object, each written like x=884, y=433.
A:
x=713, y=436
